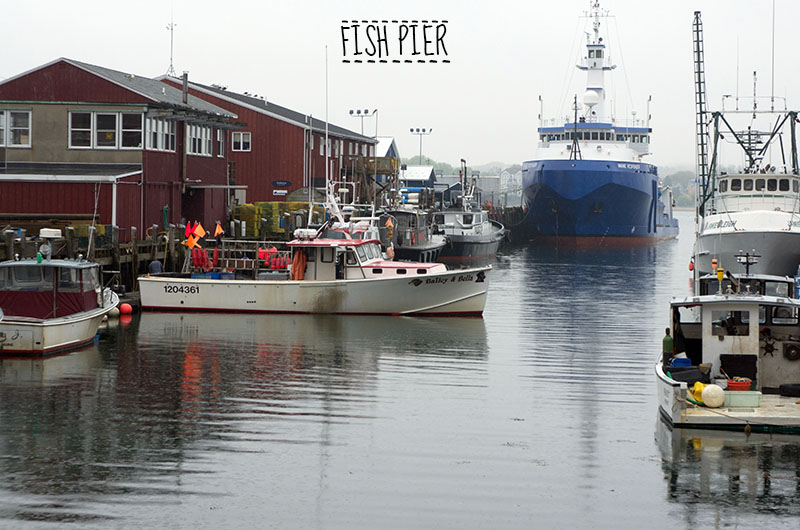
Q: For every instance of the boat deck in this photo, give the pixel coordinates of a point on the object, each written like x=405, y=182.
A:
x=774, y=410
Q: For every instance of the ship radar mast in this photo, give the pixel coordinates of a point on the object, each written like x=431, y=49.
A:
x=596, y=63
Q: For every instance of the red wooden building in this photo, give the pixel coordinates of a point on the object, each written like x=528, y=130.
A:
x=280, y=149
x=79, y=139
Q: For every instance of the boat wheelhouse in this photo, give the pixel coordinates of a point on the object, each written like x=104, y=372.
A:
x=50, y=305
x=727, y=337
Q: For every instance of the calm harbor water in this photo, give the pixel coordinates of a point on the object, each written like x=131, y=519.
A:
x=541, y=413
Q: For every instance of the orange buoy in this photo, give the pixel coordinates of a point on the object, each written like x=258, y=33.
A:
x=125, y=309
x=125, y=319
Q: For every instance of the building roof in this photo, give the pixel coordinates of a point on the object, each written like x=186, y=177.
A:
x=149, y=88
x=417, y=173
x=387, y=148
x=272, y=109
x=66, y=172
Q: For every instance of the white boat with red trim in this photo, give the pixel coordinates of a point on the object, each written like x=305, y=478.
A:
x=326, y=275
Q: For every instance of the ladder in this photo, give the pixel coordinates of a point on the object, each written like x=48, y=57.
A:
x=705, y=189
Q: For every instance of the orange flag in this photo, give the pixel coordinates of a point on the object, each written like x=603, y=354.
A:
x=191, y=241
x=218, y=230
x=199, y=232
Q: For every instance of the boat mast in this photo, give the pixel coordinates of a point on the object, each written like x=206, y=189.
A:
x=595, y=64
x=705, y=191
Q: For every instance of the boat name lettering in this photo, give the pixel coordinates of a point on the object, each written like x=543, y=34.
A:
x=629, y=166
x=185, y=289
x=721, y=224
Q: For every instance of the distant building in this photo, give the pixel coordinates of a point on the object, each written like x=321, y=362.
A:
x=81, y=141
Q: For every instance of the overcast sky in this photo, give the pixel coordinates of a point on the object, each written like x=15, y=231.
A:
x=482, y=105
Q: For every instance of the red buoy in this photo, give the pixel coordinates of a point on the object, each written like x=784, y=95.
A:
x=125, y=309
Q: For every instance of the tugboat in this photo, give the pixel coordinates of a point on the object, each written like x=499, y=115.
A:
x=589, y=182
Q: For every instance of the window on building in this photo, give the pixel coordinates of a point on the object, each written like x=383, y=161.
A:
x=321, y=148
x=131, y=130
x=241, y=141
x=364, y=150
x=199, y=140
x=220, y=142
x=80, y=129
x=105, y=130
x=15, y=128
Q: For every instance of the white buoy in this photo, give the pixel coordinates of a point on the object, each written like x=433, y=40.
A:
x=114, y=313
x=713, y=396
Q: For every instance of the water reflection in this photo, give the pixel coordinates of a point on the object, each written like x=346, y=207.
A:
x=131, y=420
x=724, y=478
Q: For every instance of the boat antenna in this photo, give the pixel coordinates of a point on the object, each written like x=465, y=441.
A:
x=772, y=92
x=307, y=167
x=575, y=152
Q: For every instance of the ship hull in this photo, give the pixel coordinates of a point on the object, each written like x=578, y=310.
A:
x=614, y=202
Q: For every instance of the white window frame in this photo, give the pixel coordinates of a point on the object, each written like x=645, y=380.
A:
x=96, y=130
x=143, y=130
x=221, y=143
x=198, y=140
x=241, y=135
x=71, y=128
x=6, y=129
x=123, y=130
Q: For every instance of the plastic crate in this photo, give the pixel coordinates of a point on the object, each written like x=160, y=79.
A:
x=742, y=398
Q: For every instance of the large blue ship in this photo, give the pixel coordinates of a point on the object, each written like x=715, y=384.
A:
x=588, y=181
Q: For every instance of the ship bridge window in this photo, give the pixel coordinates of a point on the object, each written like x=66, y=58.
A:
x=599, y=54
x=544, y=137
x=748, y=184
x=361, y=254
x=730, y=323
x=760, y=183
x=643, y=139
x=591, y=54
x=467, y=219
x=723, y=186
x=772, y=184
x=595, y=136
x=795, y=186
x=351, y=257
x=784, y=185
x=776, y=288
x=786, y=316
x=736, y=184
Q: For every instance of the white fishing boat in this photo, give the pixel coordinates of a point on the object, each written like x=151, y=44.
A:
x=49, y=305
x=755, y=206
x=323, y=275
x=469, y=231
x=746, y=334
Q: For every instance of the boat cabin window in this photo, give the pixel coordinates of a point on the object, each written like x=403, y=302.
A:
x=748, y=184
x=725, y=323
x=776, y=289
x=351, y=257
x=326, y=255
x=595, y=136
x=438, y=219
x=723, y=186
x=784, y=316
x=688, y=315
x=762, y=316
x=68, y=280
x=784, y=185
x=772, y=184
x=3, y=275
x=91, y=281
x=598, y=54
x=795, y=186
x=760, y=183
x=310, y=254
x=362, y=255
x=467, y=219
x=736, y=184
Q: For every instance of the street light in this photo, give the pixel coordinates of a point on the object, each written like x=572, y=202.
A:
x=363, y=114
x=420, y=132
